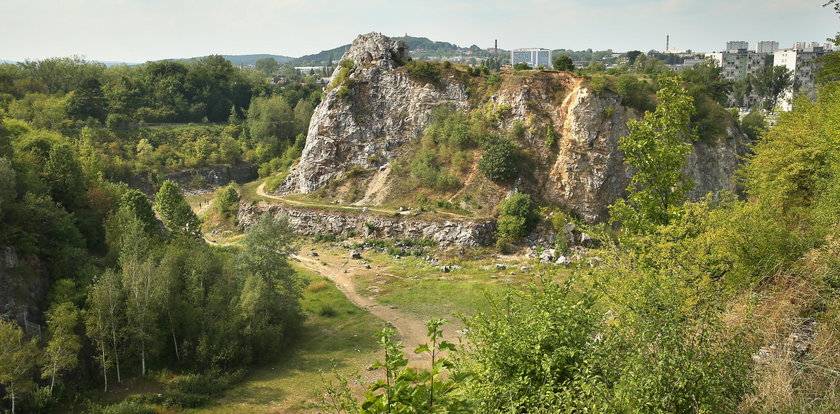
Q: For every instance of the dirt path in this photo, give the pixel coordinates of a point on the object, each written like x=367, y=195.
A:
x=412, y=331
x=261, y=192
x=470, y=177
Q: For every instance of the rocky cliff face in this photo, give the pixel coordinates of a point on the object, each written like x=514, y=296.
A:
x=309, y=222
x=383, y=110
x=582, y=170
x=201, y=180
x=23, y=287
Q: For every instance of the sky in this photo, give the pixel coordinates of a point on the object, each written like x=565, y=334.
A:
x=142, y=30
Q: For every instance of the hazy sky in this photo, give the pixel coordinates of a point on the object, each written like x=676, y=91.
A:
x=141, y=30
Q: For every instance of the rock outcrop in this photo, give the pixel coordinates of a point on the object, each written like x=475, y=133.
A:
x=310, y=222
x=383, y=109
x=582, y=169
x=202, y=180
x=23, y=288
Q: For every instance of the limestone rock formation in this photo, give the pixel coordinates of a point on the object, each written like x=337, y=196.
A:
x=383, y=110
x=309, y=222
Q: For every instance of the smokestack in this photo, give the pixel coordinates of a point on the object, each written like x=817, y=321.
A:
x=667, y=42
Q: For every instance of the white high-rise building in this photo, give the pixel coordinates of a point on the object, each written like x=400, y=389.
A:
x=738, y=64
x=533, y=57
x=800, y=61
x=766, y=46
x=736, y=45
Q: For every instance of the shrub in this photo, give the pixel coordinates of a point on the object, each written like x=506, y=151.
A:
x=318, y=286
x=423, y=71
x=327, y=310
x=517, y=218
x=227, y=199
x=521, y=66
x=129, y=407
x=198, y=384
x=499, y=162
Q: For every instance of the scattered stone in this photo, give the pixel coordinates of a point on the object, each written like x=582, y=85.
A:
x=455, y=267
x=500, y=266
x=525, y=268
x=562, y=260
x=585, y=240
x=315, y=254
x=356, y=254
x=445, y=269
x=367, y=266
x=547, y=256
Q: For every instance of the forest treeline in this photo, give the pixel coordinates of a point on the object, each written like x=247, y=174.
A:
x=235, y=114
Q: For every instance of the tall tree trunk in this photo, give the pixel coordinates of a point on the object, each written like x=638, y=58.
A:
x=174, y=341
x=116, y=356
x=13, y=397
x=143, y=357
x=104, y=368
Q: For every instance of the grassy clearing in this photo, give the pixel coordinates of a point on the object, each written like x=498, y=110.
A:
x=292, y=383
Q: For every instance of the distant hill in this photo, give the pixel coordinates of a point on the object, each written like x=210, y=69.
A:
x=244, y=59
x=6, y=61
x=418, y=47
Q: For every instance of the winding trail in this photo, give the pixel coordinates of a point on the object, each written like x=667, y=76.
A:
x=412, y=331
x=283, y=200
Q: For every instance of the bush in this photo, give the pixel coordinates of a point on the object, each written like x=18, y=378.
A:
x=423, y=71
x=129, y=407
x=198, y=384
x=227, y=199
x=517, y=218
x=499, y=162
x=318, y=286
x=521, y=66
x=327, y=310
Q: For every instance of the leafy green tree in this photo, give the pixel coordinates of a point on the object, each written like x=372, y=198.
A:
x=63, y=174
x=564, y=63
x=88, y=101
x=707, y=77
x=516, y=219
x=531, y=350
x=271, y=288
x=227, y=199
x=175, y=211
x=8, y=193
x=521, y=66
x=62, y=351
x=141, y=283
x=104, y=323
x=499, y=161
x=267, y=65
x=135, y=202
x=271, y=124
x=656, y=148
x=769, y=83
x=303, y=113
x=17, y=361
x=754, y=125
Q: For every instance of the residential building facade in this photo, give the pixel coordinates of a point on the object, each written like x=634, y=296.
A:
x=766, y=46
x=738, y=64
x=532, y=56
x=737, y=45
x=800, y=61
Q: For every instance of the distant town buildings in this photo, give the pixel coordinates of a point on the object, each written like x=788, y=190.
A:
x=532, y=56
x=800, y=59
x=766, y=46
x=739, y=63
x=736, y=45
